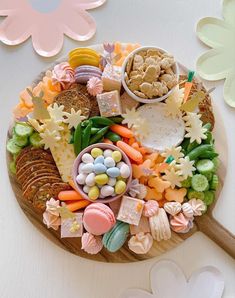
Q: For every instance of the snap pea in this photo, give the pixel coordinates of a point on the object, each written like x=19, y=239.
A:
x=94, y=130
x=71, y=141
x=85, y=123
x=86, y=135
x=209, y=154
x=78, y=139
x=192, y=146
x=198, y=151
x=207, y=126
x=112, y=136
x=99, y=135
x=117, y=119
x=209, y=138
x=98, y=120
x=185, y=143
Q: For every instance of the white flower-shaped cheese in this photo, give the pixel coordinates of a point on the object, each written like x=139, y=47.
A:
x=130, y=117
x=174, y=152
x=56, y=112
x=173, y=103
x=185, y=167
x=49, y=139
x=73, y=118
x=173, y=177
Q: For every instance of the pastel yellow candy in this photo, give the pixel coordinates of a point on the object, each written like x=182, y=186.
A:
x=94, y=193
x=101, y=179
x=117, y=156
x=120, y=178
x=95, y=152
x=120, y=187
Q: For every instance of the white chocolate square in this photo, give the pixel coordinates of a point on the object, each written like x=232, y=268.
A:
x=111, y=78
x=130, y=210
x=109, y=103
x=143, y=226
x=67, y=225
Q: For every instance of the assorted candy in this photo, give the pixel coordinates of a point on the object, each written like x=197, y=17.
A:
x=158, y=175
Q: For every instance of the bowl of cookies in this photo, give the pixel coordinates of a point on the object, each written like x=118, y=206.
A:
x=149, y=74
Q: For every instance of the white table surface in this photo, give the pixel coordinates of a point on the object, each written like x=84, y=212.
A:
x=32, y=266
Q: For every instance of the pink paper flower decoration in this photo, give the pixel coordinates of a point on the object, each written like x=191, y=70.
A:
x=47, y=29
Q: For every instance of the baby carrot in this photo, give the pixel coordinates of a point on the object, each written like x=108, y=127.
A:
x=130, y=151
x=188, y=85
x=107, y=141
x=77, y=205
x=69, y=195
x=122, y=131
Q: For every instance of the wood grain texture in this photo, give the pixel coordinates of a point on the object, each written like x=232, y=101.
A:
x=206, y=224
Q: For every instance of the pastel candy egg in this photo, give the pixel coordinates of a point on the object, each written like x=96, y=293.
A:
x=112, y=181
x=81, y=178
x=90, y=179
x=87, y=168
x=113, y=172
x=99, y=159
x=121, y=178
x=101, y=179
x=87, y=158
x=82, y=164
x=99, y=168
x=108, y=153
x=107, y=190
x=117, y=155
x=86, y=188
x=95, y=152
x=94, y=193
x=125, y=171
x=120, y=187
x=120, y=164
x=109, y=162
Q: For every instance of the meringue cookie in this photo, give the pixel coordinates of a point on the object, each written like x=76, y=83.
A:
x=179, y=223
x=198, y=206
x=52, y=206
x=172, y=208
x=91, y=244
x=159, y=225
x=187, y=210
x=94, y=86
x=63, y=74
x=150, y=208
x=51, y=221
x=140, y=243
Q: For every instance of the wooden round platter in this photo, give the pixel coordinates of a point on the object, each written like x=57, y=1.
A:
x=206, y=223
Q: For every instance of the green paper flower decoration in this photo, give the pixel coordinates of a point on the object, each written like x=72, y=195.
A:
x=219, y=62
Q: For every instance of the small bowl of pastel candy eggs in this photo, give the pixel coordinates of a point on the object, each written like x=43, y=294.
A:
x=102, y=173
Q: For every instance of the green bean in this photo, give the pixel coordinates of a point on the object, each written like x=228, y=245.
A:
x=98, y=120
x=112, y=136
x=86, y=136
x=94, y=130
x=185, y=143
x=198, y=151
x=209, y=154
x=99, y=135
x=192, y=146
x=117, y=119
x=78, y=139
x=85, y=123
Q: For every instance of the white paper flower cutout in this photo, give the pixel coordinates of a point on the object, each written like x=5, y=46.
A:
x=217, y=63
x=168, y=281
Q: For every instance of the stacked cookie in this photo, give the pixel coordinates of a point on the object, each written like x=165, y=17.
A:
x=38, y=175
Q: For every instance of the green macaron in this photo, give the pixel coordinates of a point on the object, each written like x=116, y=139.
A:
x=116, y=237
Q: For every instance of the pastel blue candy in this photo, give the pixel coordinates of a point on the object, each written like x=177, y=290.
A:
x=113, y=172
x=99, y=168
x=116, y=237
x=109, y=162
x=99, y=159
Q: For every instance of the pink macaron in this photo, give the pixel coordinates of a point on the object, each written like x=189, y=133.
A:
x=98, y=219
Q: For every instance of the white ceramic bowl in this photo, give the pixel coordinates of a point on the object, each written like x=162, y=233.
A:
x=143, y=100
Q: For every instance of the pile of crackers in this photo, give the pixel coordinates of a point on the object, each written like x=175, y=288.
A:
x=38, y=176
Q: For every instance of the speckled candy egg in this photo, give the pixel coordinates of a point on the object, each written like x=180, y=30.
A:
x=86, y=188
x=125, y=171
x=99, y=159
x=90, y=179
x=107, y=190
x=81, y=178
x=109, y=162
x=108, y=153
x=87, y=158
x=87, y=168
x=99, y=168
x=113, y=172
x=120, y=187
x=112, y=181
x=117, y=156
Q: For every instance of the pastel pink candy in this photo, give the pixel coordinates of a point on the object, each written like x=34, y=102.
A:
x=98, y=219
x=85, y=72
x=91, y=244
x=179, y=223
x=150, y=208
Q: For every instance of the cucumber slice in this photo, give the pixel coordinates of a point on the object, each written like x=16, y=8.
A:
x=192, y=194
x=205, y=166
x=216, y=163
x=12, y=147
x=208, y=176
x=199, y=182
x=20, y=141
x=209, y=197
x=186, y=183
x=214, y=182
x=23, y=129
x=35, y=140
x=12, y=167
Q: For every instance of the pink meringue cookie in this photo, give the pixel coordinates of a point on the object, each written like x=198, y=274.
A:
x=91, y=244
x=140, y=243
x=198, y=206
x=179, y=223
x=52, y=206
x=51, y=221
x=150, y=208
x=94, y=86
x=63, y=74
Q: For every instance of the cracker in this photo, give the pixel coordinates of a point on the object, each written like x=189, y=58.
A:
x=73, y=98
x=39, y=174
